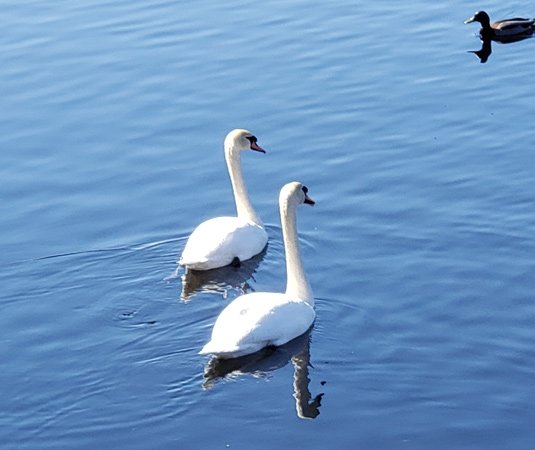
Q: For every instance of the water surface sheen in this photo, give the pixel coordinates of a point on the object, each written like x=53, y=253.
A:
x=419, y=249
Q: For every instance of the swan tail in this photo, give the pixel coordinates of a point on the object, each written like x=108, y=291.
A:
x=211, y=348
x=230, y=351
x=199, y=264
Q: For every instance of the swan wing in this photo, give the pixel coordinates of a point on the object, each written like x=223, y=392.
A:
x=216, y=242
x=254, y=321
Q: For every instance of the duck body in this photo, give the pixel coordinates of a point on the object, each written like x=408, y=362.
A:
x=507, y=28
x=261, y=319
x=257, y=320
x=219, y=241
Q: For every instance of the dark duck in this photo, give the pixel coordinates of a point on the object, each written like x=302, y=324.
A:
x=514, y=28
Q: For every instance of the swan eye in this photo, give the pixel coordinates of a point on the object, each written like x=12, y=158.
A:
x=305, y=190
x=252, y=139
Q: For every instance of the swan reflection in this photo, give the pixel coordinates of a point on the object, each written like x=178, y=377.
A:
x=486, y=46
x=267, y=360
x=221, y=280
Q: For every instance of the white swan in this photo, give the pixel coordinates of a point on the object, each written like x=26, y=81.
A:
x=221, y=241
x=260, y=319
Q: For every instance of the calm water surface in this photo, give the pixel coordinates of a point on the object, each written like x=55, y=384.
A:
x=419, y=249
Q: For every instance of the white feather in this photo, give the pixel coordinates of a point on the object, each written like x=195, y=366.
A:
x=254, y=321
x=216, y=242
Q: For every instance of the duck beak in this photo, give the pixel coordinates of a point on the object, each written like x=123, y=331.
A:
x=469, y=20
x=309, y=201
x=257, y=148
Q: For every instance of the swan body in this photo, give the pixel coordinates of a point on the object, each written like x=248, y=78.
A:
x=257, y=320
x=260, y=319
x=507, y=28
x=218, y=241
x=221, y=241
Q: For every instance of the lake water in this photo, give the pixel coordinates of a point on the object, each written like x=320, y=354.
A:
x=419, y=249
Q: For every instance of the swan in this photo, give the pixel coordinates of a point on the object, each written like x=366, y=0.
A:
x=221, y=241
x=260, y=319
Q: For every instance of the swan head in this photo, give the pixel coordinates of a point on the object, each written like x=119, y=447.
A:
x=240, y=139
x=295, y=193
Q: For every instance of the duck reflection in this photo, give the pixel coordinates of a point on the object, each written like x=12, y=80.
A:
x=267, y=360
x=484, y=52
x=220, y=280
x=486, y=46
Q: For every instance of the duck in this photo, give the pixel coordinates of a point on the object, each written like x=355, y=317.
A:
x=259, y=320
x=508, y=28
x=222, y=241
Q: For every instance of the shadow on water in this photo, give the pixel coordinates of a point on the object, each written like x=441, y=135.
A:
x=270, y=359
x=486, y=46
x=220, y=280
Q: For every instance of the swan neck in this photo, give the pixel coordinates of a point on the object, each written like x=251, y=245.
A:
x=297, y=282
x=244, y=208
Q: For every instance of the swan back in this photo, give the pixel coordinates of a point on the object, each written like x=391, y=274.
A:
x=256, y=320
x=216, y=242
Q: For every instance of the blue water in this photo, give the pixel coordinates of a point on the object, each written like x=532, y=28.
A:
x=419, y=249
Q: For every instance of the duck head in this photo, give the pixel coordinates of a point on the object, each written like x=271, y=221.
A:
x=482, y=17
